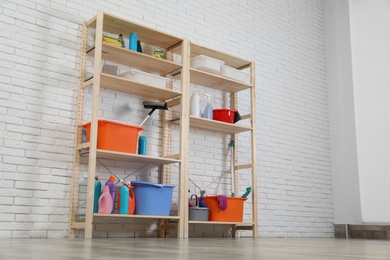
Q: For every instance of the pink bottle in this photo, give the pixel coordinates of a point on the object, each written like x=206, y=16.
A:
x=105, y=201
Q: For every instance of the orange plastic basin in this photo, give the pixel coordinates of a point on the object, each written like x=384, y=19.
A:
x=115, y=136
x=233, y=213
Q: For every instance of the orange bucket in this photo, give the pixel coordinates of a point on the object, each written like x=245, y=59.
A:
x=233, y=213
x=114, y=136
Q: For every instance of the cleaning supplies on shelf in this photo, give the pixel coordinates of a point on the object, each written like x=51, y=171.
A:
x=142, y=145
x=123, y=200
x=202, y=204
x=208, y=110
x=131, y=198
x=112, y=40
x=158, y=54
x=105, y=201
x=121, y=40
x=139, y=47
x=111, y=185
x=195, y=104
x=248, y=190
x=197, y=212
x=96, y=195
x=133, y=41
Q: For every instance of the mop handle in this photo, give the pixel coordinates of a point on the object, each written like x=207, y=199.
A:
x=146, y=118
x=231, y=147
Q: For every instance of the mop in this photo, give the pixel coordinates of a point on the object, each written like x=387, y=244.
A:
x=153, y=106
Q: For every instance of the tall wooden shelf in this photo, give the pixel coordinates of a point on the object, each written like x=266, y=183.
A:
x=234, y=87
x=107, y=23
x=104, y=22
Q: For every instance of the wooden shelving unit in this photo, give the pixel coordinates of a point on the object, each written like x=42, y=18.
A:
x=104, y=22
x=107, y=23
x=233, y=87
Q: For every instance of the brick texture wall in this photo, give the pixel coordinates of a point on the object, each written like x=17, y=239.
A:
x=39, y=50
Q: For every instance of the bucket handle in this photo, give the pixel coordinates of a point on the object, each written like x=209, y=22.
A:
x=157, y=185
x=196, y=199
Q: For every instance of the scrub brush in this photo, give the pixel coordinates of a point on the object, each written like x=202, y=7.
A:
x=248, y=190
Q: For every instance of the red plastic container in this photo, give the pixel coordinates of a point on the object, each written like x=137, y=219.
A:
x=224, y=115
x=233, y=213
x=114, y=136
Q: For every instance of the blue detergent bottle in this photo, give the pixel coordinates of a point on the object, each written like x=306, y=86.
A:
x=124, y=201
x=142, y=145
x=96, y=195
x=133, y=41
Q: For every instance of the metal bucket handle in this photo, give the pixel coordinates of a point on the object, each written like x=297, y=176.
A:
x=196, y=199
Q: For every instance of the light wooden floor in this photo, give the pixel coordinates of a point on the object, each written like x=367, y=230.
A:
x=207, y=248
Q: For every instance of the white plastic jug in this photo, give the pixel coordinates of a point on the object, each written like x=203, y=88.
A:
x=195, y=104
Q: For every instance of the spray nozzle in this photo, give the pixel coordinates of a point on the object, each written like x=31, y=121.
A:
x=208, y=96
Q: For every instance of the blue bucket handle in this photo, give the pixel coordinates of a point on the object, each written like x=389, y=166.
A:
x=157, y=185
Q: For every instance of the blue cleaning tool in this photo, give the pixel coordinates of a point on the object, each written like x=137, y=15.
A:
x=201, y=200
x=248, y=190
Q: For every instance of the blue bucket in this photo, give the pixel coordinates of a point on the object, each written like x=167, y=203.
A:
x=152, y=199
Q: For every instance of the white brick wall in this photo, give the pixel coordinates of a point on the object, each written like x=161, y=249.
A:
x=39, y=45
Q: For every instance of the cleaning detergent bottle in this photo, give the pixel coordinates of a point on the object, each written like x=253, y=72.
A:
x=195, y=104
x=142, y=145
x=96, y=195
x=121, y=40
x=208, y=110
x=131, y=198
x=111, y=185
x=124, y=200
x=133, y=40
x=105, y=201
x=139, y=47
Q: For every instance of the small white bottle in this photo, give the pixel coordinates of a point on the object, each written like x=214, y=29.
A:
x=208, y=110
x=195, y=104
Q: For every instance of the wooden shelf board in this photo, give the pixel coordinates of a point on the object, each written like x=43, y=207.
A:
x=116, y=25
x=220, y=223
x=137, y=60
x=230, y=60
x=136, y=158
x=217, y=126
x=215, y=81
x=127, y=86
x=134, y=216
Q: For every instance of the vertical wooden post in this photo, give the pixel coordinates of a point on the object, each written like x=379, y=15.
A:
x=78, y=130
x=94, y=125
x=253, y=140
x=184, y=140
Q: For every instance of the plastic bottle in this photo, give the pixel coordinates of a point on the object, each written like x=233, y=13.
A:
x=96, y=195
x=208, y=110
x=133, y=39
x=110, y=183
x=131, y=198
x=121, y=40
x=105, y=201
x=124, y=201
x=142, y=145
x=139, y=47
x=195, y=104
